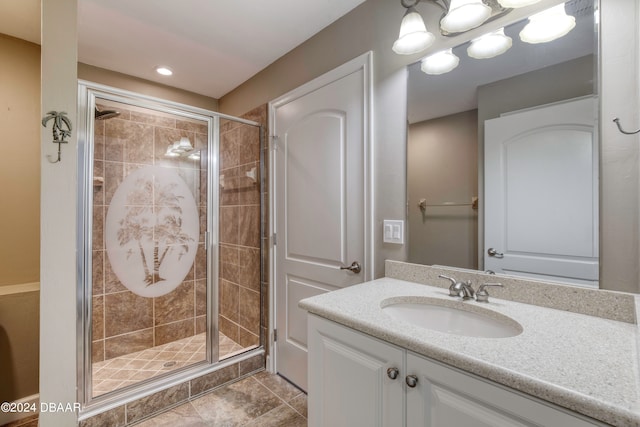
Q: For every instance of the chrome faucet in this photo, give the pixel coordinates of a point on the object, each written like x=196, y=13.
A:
x=453, y=289
x=459, y=289
x=465, y=290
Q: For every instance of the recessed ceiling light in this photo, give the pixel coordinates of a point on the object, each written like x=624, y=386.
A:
x=165, y=71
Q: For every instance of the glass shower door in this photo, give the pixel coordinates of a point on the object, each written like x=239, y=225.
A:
x=150, y=221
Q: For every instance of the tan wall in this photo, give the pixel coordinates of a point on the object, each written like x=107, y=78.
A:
x=442, y=166
x=20, y=161
x=144, y=87
x=19, y=217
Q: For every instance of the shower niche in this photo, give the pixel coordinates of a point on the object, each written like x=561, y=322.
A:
x=171, y=222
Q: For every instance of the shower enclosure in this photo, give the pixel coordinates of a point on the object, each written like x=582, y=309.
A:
x=171, y=218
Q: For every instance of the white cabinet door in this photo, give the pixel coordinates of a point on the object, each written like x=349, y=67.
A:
x=445, y=396
x=348, y=380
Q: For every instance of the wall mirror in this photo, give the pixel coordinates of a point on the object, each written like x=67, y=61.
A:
x=502, y=152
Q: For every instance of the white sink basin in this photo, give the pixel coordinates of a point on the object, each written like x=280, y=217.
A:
x=452, y=317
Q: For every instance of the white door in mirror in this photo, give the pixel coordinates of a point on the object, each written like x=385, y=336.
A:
x=541, y=193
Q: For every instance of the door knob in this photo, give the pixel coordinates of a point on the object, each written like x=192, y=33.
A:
x=411, y=381
x=492, y=252
x=393, y=373
x=354, y=267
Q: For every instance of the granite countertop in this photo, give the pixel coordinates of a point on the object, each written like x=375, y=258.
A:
x=580, y=362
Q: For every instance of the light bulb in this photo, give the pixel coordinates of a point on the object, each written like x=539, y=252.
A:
x=440, y=62
x=464, y=15
x=414, y=36
x=548, y=25
x=489, y=45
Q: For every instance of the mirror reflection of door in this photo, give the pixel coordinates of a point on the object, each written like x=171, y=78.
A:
x=541, y=192
x=442, y=177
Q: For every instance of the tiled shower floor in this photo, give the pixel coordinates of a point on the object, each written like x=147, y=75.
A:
x=132, y=368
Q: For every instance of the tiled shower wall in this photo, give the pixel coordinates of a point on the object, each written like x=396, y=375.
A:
x=124, y=322
x=241, y=310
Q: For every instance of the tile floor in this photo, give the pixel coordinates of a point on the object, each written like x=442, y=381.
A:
x=261, y=400
x=130, y=368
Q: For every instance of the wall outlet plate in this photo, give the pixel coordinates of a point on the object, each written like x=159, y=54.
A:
x=393, y=231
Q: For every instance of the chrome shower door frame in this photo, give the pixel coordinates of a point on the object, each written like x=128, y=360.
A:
x=88, y=92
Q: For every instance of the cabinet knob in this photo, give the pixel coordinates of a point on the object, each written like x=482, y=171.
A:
x=411, y=380
x=393, y=373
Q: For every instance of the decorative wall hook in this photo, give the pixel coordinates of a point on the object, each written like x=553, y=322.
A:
x=617, y=122
x=60, y=121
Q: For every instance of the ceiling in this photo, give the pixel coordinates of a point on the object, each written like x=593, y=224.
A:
x=212, y=46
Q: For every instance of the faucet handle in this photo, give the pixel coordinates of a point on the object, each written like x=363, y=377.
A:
x=453, y=292
x=482, y=295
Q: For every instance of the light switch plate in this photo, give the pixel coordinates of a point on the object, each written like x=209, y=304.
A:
x=393, y=231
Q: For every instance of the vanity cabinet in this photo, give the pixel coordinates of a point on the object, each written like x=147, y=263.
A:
x=359, y=380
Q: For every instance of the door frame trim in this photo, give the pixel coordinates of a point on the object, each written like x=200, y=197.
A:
x=363, y=62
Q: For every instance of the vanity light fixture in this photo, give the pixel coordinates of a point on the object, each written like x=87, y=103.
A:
x=414, y=36
x=459, y=16
x=514, y=4
x=440, y=63
x=463, y=15
x=548, y=25
x=165, y=71
x=490, y=45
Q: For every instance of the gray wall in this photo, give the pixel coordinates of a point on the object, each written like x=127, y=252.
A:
x=442, y=166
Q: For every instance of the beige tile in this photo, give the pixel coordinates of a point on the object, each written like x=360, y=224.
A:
x=229, y=272
x=195, y=127
x=174, y=331
x=229, y=155
x=248, y=140
x=98, y=228
x=97, y=271
x=176, y=305
x=97, y=351
x=252, y=364
x=248, y=339
x=142, y=408
x=214, y=379
x=97, y=318
x=112, y=418
x=249, y=270
x=236, y=404
x=282, y=416
x=229, y=300
x=249, y=310
x=299, y=403
x=125, y=344
x=201, y=297
x=127, y=312
x=184, y=416
x=229, y=222
x=229, y=328
x=278, y=385
x=113, y=177
x=201, y=263
x=249, y=226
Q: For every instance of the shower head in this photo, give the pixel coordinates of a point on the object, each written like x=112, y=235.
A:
x=106, y=114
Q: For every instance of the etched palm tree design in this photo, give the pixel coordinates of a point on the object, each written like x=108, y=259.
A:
x=158, y=224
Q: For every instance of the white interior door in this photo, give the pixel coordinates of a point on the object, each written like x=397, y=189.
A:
x=319, y=205
x=541, y=193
